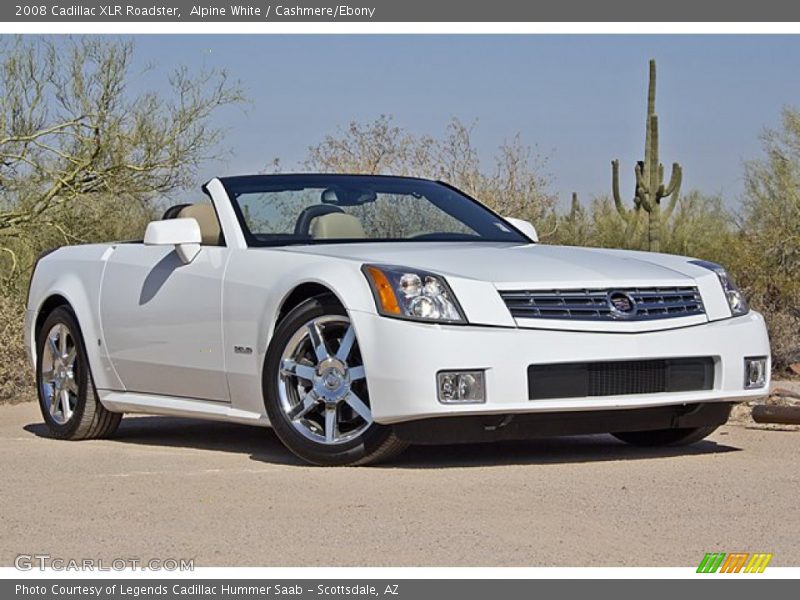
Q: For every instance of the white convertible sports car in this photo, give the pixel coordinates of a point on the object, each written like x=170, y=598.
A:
x=358, y=314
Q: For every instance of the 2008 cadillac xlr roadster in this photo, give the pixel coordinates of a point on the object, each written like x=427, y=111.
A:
x=358, y=314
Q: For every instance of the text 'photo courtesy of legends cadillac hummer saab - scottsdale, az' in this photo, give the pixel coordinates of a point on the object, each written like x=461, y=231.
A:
x=358, y=314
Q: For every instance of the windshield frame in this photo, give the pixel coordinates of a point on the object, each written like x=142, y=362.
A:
x=239, y=184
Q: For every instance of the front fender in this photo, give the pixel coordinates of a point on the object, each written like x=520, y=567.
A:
x=348, y=284
x=78, y=282
x=257, y=282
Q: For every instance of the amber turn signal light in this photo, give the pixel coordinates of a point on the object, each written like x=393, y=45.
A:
x=384, y=291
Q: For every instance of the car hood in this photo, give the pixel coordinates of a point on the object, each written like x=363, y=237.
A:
x=514, y=265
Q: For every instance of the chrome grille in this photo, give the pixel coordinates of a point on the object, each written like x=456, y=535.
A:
x=593, y=304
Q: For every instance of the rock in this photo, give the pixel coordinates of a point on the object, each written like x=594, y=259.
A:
x=786, y=393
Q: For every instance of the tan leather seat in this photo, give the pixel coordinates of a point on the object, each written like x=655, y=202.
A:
x=206, y=217
x=336, y=226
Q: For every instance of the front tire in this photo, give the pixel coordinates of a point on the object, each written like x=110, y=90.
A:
x=665, y=437
x=315, y=389
x=67, y=398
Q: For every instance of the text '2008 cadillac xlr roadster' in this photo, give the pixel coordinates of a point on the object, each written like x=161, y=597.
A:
x=357, y=314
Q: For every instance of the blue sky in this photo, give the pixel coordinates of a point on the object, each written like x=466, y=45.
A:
x=580, y=100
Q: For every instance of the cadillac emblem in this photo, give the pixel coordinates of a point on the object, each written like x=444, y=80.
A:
x=622, y=305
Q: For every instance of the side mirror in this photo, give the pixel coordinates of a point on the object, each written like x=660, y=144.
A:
x=184, y=234
x=525, y=227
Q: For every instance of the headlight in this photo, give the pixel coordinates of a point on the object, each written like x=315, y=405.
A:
x=733, y=294
x=412, y=294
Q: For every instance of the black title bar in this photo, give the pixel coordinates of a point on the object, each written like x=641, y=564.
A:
x=516, y=11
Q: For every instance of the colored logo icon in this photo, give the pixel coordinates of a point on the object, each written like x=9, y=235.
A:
x=738, y=562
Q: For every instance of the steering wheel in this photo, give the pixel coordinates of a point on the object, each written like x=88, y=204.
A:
x=303, y=223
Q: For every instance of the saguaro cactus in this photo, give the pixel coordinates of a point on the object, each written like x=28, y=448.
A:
x=575, y=230
x=575, y=206
x=650, y=187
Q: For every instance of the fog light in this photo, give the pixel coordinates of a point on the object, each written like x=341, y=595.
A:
x=755, y=372
x=461, y=386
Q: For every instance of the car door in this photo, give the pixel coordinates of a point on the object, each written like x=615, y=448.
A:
x=161, y=320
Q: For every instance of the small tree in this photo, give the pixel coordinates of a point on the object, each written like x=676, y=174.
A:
x=72, y=135
x=514, y=186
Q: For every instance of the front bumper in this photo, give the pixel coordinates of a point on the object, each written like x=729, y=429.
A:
x=472, y=429
x=402, y=359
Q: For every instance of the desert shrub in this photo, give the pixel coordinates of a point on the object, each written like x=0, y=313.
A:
x=82, y=159
x=700, y=226
x=768, y=261
x=15, y=378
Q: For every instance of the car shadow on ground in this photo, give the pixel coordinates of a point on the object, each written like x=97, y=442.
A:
x=262, y=445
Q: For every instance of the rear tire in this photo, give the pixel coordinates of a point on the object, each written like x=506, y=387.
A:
x=67, y=397
x=665, y=437
x=316, y=395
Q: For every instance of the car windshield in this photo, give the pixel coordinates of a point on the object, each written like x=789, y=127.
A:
x=311, y=209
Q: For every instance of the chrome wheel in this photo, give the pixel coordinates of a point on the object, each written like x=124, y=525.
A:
x=322, y=386
x=58, y=371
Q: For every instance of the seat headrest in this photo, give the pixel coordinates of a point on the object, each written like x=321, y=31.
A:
x=336, y=226
x=207, y=220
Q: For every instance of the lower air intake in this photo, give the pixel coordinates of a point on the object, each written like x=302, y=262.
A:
x=620, y=378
